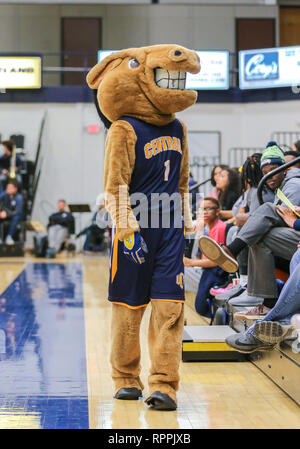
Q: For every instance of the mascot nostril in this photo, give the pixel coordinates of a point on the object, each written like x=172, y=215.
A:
x=137, y=92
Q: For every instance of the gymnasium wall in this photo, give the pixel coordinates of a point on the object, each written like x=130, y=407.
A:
x=73, y=159
x=37, y=27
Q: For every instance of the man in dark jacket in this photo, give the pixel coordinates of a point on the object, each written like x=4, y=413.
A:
x=61, y=225
x=11, y=211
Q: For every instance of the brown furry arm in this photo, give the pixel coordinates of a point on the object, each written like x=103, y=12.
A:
x=184, y=182
x=118, y=167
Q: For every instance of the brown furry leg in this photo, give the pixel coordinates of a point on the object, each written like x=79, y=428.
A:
x=165, y=342
x=125, y=346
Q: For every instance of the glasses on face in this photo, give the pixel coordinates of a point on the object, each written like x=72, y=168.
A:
x=209, y=209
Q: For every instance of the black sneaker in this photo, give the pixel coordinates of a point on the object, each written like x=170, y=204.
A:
x=247, y=343
x=129, y=394
x=161, y=401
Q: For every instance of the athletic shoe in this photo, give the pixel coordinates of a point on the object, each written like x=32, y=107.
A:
x=257, y=313
x=272, y=331
x=218, y=254
x=217, y=291
x=235, y=290
x=161, y=401
x=129, y=394
x=9, y=240
x=244, y=300
x=247, y=343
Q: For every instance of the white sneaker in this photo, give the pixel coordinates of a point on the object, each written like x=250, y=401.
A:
x=244, y=300
x=9, y=240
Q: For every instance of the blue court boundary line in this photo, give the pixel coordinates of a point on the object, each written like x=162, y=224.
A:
x=54, y=411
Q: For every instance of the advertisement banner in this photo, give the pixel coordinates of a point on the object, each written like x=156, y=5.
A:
x=20, y=72
x=213, y=75
x=269, y=67
x=214, y=72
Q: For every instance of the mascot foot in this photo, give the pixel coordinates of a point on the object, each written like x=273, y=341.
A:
x=161, y=401
x=129, y=394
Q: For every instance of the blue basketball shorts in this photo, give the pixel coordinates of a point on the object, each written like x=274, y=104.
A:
x=160, y=277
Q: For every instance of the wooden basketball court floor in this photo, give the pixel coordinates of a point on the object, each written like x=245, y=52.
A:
x=54, y=361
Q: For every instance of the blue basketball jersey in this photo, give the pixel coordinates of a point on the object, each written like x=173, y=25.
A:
x=158, y=154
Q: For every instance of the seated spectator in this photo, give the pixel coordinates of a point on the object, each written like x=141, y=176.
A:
x=250, y=177
x=228, y=186
x=61, y=225
x=296, y=146
x=94, y=236
x=213, y=180
x=266, y=232
x=5, y=162
x=276, y=325
x=289, y=156
x=211, y=273
x=96, y=231
x=11, y=212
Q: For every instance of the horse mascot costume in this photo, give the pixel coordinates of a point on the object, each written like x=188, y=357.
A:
x=146, y=161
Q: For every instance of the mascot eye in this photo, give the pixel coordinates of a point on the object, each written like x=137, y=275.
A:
x=133, y=64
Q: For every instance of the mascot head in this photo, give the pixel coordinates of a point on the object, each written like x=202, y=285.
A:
x=147, y=83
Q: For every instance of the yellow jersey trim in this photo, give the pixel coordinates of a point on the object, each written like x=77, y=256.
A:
x=127, y=305
x=169, y=300
x=114, y=264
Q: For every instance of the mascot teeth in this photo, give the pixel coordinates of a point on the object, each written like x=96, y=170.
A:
x=170, y=79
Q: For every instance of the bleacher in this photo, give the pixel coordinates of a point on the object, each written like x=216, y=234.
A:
x=27, y=177
x=207, y=343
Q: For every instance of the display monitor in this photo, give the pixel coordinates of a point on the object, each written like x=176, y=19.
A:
x=213, y=75
x=20, y=72
x=269, y=67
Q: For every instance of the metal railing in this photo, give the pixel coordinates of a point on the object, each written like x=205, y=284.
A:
x=201, y=168
x=285, y=139
x=38, y=163
x=238, y=155
x=55, y=66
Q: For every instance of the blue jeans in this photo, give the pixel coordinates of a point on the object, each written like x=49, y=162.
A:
x=11, y=224
x=15, y=220
x=209, y=278
x=288, y=303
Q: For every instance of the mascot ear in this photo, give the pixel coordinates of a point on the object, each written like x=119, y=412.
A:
x=97, y=73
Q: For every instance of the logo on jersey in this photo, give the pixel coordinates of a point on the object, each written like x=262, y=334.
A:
x=180, y=280
x=165, y=143
x=129, y=242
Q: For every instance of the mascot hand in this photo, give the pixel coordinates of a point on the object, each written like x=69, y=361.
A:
x=134, y=247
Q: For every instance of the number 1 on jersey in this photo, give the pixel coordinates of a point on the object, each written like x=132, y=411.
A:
x=167, y=169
